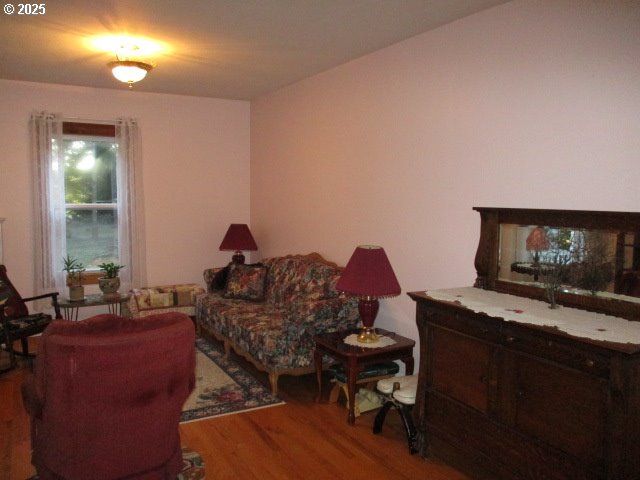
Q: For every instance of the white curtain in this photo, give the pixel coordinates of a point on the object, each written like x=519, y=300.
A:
x=49, y=214
x=130, y=200
x=49, y=211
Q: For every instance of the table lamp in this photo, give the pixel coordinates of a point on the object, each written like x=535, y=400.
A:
x=537, y=241
x=369, y=276
x=238, y=238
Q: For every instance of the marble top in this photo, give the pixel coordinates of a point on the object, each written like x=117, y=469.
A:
x=572, y=321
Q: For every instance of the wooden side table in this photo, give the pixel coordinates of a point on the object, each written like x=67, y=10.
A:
x=113, y=302
x=354, y=358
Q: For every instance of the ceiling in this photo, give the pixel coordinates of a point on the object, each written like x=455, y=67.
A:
x=236, y=49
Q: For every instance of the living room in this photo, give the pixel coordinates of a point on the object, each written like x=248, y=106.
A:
x=526, y=104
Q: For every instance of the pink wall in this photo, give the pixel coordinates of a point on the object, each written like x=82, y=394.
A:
x=534, y=103
x=195, y=172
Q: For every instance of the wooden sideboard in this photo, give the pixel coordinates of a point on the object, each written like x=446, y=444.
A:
x=508, y=390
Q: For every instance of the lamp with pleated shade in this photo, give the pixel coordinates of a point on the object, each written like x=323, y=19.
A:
x=368, y=276
x=537, y=241
x=237, y=239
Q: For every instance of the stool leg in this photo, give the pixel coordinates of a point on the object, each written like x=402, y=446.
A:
x=25, y=346
x=380, y=416
x=409, y=427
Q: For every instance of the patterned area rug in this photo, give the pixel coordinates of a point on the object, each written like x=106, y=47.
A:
x=192, y=466
x=223, y=387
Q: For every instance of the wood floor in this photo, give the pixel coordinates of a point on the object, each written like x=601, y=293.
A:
x=300, y=440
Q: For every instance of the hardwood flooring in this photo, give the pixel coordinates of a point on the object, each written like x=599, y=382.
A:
x=299, y=440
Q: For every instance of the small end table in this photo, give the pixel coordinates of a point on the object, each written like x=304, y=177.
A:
x=354, y=358
x=113, y=302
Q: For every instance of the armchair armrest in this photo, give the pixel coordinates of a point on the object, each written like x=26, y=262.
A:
x=54, y=301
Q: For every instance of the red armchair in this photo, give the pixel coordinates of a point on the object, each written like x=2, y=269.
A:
x=106, y=396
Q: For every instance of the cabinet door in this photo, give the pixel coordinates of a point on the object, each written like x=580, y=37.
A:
x=562, y=407
x=460, y=367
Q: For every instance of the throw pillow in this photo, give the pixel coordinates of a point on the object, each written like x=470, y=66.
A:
x=246, y=282
x=220, y=279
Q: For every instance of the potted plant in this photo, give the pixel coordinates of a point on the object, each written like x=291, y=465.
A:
x=74, y=269
x=110, y=282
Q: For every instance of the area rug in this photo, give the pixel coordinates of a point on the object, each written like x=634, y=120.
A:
x=223, y=387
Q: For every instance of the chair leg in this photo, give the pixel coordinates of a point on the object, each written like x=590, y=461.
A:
x=409, y=427
x=380, y=416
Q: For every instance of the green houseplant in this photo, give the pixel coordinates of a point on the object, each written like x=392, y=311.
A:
x=74, y=269
x=110, y=282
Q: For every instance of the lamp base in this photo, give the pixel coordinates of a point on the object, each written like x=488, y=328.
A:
x=238, y=257
x=368, y=335
x=368, y=309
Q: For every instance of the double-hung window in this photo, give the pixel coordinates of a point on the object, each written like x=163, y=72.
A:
x=87, y=187
x=89, y=152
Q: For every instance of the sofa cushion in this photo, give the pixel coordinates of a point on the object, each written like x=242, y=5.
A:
x=301, y=277
x=246, y=282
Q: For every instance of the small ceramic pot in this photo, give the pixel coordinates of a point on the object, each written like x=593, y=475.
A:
x=109, y=286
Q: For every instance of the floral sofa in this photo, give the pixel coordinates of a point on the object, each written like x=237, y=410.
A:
x=269, y=312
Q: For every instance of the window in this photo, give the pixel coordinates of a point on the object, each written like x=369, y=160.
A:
x=86, y=182
x=91, y=193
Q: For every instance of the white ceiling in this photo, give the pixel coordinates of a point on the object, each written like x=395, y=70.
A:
x=237, y=49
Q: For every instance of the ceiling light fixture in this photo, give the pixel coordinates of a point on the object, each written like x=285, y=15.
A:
x=129, y=71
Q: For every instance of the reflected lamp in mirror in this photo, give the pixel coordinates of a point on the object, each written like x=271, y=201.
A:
x=237, y=239
x=537, y=242
x=368, y=276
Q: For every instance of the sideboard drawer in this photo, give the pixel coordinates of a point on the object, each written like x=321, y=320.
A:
x=556, y=349
x=473, y=325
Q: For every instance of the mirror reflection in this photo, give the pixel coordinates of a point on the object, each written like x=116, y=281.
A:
x=589, y=262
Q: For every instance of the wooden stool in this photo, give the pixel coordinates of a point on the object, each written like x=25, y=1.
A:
x=401, y=394
x=367, y=378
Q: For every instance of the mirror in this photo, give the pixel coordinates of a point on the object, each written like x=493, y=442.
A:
x=588, y=259
x=584, y=262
